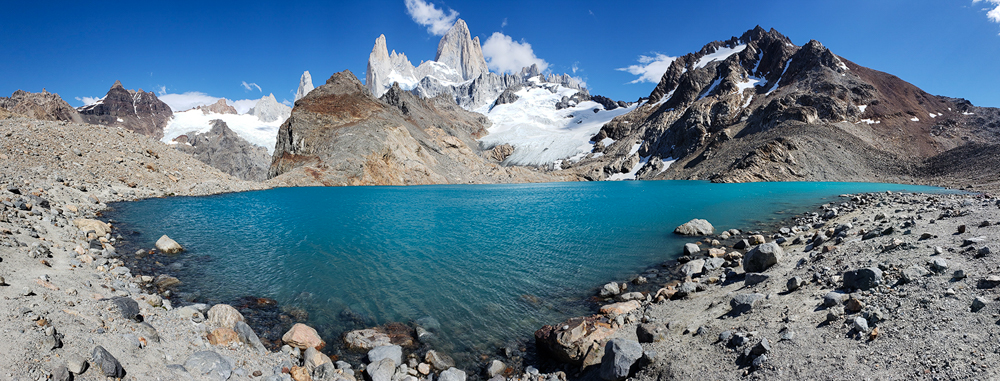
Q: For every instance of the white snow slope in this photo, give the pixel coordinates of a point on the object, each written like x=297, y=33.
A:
x=541, y=134
x=263, y=134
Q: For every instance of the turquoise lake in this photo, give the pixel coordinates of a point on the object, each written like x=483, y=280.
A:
x=490, y=263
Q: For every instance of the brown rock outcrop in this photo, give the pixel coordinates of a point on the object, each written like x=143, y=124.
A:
x=138, y=111
x=42, y=106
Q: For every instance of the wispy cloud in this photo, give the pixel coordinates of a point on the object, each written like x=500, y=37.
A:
x=504, y=23
x=250, y=86
x=505, y=55
x=162, y=90
x=87, y=101
x=651, y=68
x=242, y=106
x=994, y=13
x=436, y=20
x=187, y=101
x=576, y=66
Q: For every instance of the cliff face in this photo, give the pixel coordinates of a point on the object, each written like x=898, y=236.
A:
x=42, y=106
x=758, y=108
x=138, y=111
x=226, y=151
x=340, y=134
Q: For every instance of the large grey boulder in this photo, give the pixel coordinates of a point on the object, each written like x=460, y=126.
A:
x=863, y=279
x=167, y=245
x=744, y=303
x=393, y=352
x=248, y=336
x=382, y=370
x=696, y=227
x=693, y=268
x=106, y=363
x=452, y=374
x=209, y=365
x=619, y=356
x=762, y=257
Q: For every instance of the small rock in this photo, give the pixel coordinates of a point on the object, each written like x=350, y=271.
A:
x=914, y=272
x=208, y=364
x=762, y=347
x=303, y=336
x=106, y=363
x=619, y=356
x=439, y=360
x=753, y=279
x=939, y=264
x=762, y=257
x=452, y=374
x=854, y=305
x=224, y=316
x=833, y=298
x=979, y=303
x=651, y=332
x=744, y=303
x=76, y=364
x=495, y=368
x=691, y=249
x=168, y=246
x=860, y=325
x=610, y=289
x=222, y=336
x=863, y=279
x=393, y=352
x=794, y=283
x=693, y=268
x=961, y=229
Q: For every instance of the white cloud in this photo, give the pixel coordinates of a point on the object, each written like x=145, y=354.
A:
x=993, y=14
x=250, y=86
x=243, y=105
x=87, y=101
x=503, y=54
x=426, y=14
x=162, y=90
x=287, y=102
x=651, y=69
x=187, y=101
x=504, y=23
x=576, y=66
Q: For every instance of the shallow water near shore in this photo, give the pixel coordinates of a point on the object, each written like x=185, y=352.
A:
x=487, y=264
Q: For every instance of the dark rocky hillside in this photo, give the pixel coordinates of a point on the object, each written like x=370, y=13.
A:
x=137, y=111
x=41, y=106
x=223, y=149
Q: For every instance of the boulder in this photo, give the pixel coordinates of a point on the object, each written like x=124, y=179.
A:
x=651, y=332
x=495, y=368
x=690, y=249
x=610, y=289
x=168, y=246
x=863, y=279
x=619, y=356
x=616, y=309
x=209, y=365
x=439, y=360
x=744, y=303
x=452, y=374
x=833, y=299
x=571, y=340
x=86, y=225
x=247, y=336
x=303, y=336
x=106, y=363
x=693, y=268
x=762, y=257
x=224, y=316
x=381, y=370
x=393, y=352
x=913, y=273
x=222, y=336
x=695, y=227
x=388, y=334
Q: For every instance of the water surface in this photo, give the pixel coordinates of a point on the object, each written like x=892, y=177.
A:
x=488, y=262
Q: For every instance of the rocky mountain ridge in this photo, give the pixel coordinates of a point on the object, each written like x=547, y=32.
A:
x=341, y=134
x=268, y=109
x=41, y=106
x=305, y=85
x=219, y=107
x=759, y=108
x=226, y=151
x=137, y=111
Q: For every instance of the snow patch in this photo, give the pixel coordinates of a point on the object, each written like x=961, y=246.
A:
x=710, y=88
x=967, y=113
x=607, y=142
x=862, y=108
x=541, y=134
x=869, y=121
x=631, y=173
x=720, y=55
x=914, y=119
x=246, y=126
x=776, y=83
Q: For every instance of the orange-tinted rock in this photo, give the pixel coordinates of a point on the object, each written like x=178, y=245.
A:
x=303, y=336
x=222, y=336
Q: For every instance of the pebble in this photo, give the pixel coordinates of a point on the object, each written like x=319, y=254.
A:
x=794, y=283
x=939, y=264
x=860, y=325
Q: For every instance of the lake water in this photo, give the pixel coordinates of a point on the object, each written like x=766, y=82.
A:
x=490, y=263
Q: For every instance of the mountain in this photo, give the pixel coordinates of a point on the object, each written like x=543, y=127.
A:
x=759, y=108
x=268, y=109
x=305, y=85
x=225, y=150
x=459, y=51
x=43, y=105
x=138, y=111
x=341, y=134
x=219, y=107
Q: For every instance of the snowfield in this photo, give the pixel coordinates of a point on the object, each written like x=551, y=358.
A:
x=542, y=135
x=246, y=126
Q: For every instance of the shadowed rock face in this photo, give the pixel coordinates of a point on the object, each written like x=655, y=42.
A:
x=339, y=134
x=138, y=111
x=225, y=150
x=43, y=106
x=774, y=111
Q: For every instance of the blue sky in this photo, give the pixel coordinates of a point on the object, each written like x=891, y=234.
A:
x=243, y=50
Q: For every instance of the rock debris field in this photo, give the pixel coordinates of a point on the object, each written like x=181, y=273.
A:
x=881, y=286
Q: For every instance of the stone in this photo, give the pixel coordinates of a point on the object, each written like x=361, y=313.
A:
x=741, y=244
x=222, y=336
x=572, y=340
x=59, y=372
x=863, y=279
x=107, y=364
x=452, y=374
x=393, y=352
x=210, y=365
x=693, y=268
x=381, y=370
x=610, y=289
x=854, y=305
x=299, y=373
x=495, y=368
x=76, y=364
x=39, y=251
x=313, y=358
x=224, y=316
x=979, y=303
x=762, y=257
x=424, y=368
x=939, y=264
x=756, y=239
x=628, y=296
x=651, y=332
x=690, y=249
x=167, y=245
x=833, y=298
x=753, y=279
x=86, y=225
x=794, y=283
x=616, y=309
x=759, y=361
x=714, y=264
x=913, y=273
x=716, y=252
x=961, y=229
x=247, y=336
x=128, y=308
x=695, y=227
x=763, y=347
x=974, y=241
x=743, y=303
x=860, y=325
x=619, y=356
x=303, y=336
x=439, y=360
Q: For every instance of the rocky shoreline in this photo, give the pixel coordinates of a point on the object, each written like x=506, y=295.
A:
x=886, y=286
